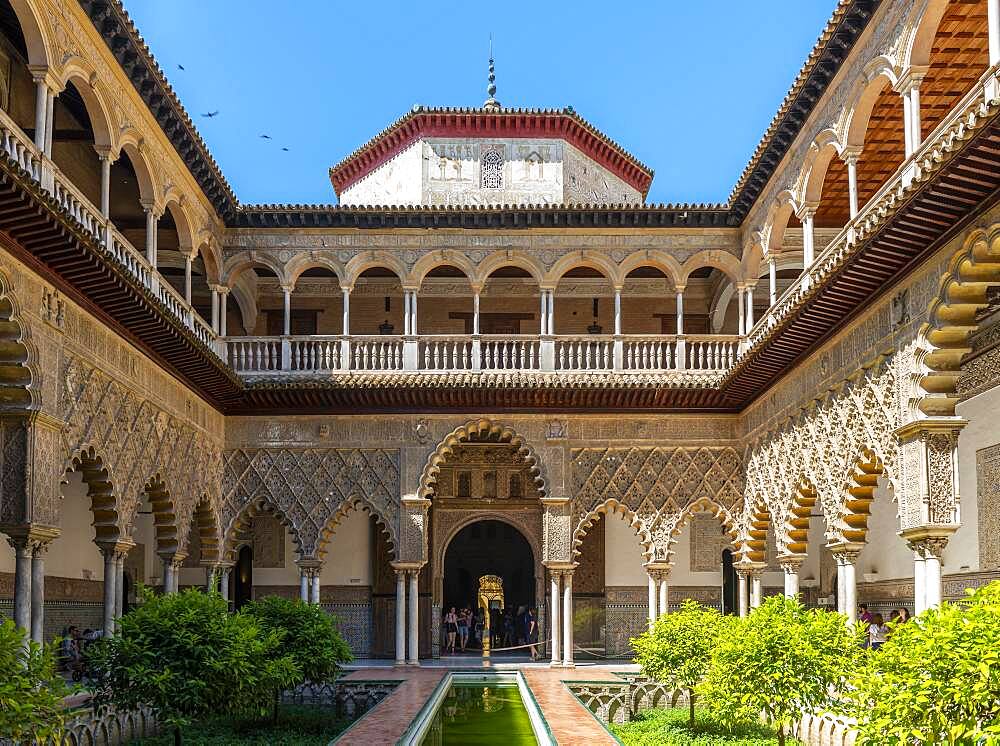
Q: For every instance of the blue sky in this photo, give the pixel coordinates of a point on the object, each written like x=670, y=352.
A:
x=688, y=88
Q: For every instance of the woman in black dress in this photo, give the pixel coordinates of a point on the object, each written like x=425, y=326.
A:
x=533, y=633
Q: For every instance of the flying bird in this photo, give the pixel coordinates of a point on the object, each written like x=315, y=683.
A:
x=285, y=149
x=265, y=137
x=180, y=67
x=211, y=114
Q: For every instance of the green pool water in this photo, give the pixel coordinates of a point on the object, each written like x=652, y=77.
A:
x=481, y=714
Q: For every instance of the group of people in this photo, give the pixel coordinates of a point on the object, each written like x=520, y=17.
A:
x=878, y=630
x=465, y=628
x=72, y=648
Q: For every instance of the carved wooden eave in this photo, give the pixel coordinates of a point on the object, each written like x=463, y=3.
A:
x=506, y=217
x=39, y=232
x=116, y=28
x=847, y=23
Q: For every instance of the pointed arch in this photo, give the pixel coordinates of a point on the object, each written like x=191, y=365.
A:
x=706, y=505
x=479, y=428
x=356, y=503
x=794, y=537
x=611, y=507
x=104, y=503
x=206, y=524
x=17, y=355
x=862, y=482
x=236, y=533
x=165, y=522
x=758, y=525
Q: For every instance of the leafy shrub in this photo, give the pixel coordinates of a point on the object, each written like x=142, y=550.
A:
x=670, y=727
x=298, y=726
x=781, y=660
x=31, y=690
x=937, y=679
x=309, y=636
x=187, y=658
x=678, y=649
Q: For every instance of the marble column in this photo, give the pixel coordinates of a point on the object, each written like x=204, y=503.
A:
x=850, y=157
x=791, y=567
x=772, y=280
x=224, y=583
x=223, y=301
x=151, y=220
x=188, y=259
x=755, y=589
x=618, y=311
x=413, y=619
x=286, y=292
x=38, y=592
x=475, y=312
x=808, y=241
x=41, y=111
x=346, y=321
x=120, y=584
x=304, y=584
x=110, y=585
x=400, y=617
x=50, y=115
x=653, y=590
x=742, y=601
x=919, y=579
x=551, y=315
x=741, y=308
x=567, y=614
x=215, y=308
x=314, y=595
x=664, y=592
x=554, y=603
x=993, y=30
x=680, y=309
x=168, y=576
x=847, y=584
x=22, y=583
x=105, y=158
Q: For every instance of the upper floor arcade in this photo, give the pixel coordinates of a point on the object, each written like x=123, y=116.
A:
x=695, y=296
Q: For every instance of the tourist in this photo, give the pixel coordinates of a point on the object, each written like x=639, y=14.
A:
x=878, y=632
x=479, y=626
x=463, y=628
x=532, y=634
x=451, y=627
x=863, y=614
x=71, y=653
x=508, y=629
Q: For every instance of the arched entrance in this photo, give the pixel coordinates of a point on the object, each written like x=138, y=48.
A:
x=729, y=584
x=489, y=547
x=243, y=578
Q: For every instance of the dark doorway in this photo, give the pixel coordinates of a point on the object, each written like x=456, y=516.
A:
x=729, y=584
x=489, y=548
x=243, y=578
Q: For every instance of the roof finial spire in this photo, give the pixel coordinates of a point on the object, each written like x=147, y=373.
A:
x=491, y=103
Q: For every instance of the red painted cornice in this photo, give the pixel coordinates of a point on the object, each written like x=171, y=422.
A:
x=564, y=124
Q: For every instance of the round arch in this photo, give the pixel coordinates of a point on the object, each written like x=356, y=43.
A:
x=499, y=260
x=35, y=33
x=656, y=258
x=183, y=223
x=429, y=262
x=236, y=266
x=441, y=548
x=590, y=259
x=778, y=216
x=723, y=261
x=878, y=74
x=924, y=23
x=149, y=191
x=373, y=260
x=299, y=264
x=821, y=153
x=463, y=433
x=81, y=74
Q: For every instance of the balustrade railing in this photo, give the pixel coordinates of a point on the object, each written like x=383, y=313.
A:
x=19, y=147
x=451, y=353
x=584, y=353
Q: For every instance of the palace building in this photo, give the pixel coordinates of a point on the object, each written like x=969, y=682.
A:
x=494, y=357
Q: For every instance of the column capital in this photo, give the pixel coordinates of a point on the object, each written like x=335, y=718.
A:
x=104, y=152
x=563, y=568
x=851, y=154
x=749, y=569
x=791, y=563
x=172, y=558
x=217, y=288
x=113, y=548
x=928, y=541
x=406, y=567
x=807, y=211
x=309, y=563
x=287, y=287
x=845, y=551
x=679, y=288
x=44, y=74
x=910, y=78
x=33, y=537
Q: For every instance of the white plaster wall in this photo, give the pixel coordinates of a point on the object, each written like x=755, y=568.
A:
x=982, y=412
x=73, y=554
x=587, y=181
x=623, y=561
x=348, y=554
x=6, y=555
x=395, y=182
x=885, y=556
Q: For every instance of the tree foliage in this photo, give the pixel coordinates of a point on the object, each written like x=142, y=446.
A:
x=31, y=689
x=937, y=679
x=309, y=636
x=781, y=660
x=678, y=649
x=186, y=657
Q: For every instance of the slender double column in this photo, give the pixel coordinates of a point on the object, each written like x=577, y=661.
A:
x=927, y=552
x=567, y=619
x=742, y=592
x=413, y=614
x=29, y=579
x=555, y=602
x=791, y=565
x=407, y=615
x=846, y=557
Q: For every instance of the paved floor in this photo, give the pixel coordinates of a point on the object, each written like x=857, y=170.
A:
x=570, y=722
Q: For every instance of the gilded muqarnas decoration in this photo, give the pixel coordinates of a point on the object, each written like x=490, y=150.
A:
x=137, y=441
x=822, y=444
x=313, y=487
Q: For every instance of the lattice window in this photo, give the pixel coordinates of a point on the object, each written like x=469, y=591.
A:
x=492, y=170
x=515, y=490
x=464, y=484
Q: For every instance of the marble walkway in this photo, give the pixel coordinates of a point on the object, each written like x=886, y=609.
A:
x=570, y=722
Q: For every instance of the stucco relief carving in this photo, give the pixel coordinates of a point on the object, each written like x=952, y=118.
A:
x=313, y=487
x=988, y=497
x=654, y=485
x=136, y=441
x=822, y=443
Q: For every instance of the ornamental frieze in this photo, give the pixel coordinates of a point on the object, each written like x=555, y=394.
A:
x=312, y=487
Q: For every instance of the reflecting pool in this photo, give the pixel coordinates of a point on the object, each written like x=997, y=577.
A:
x=472, y=713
